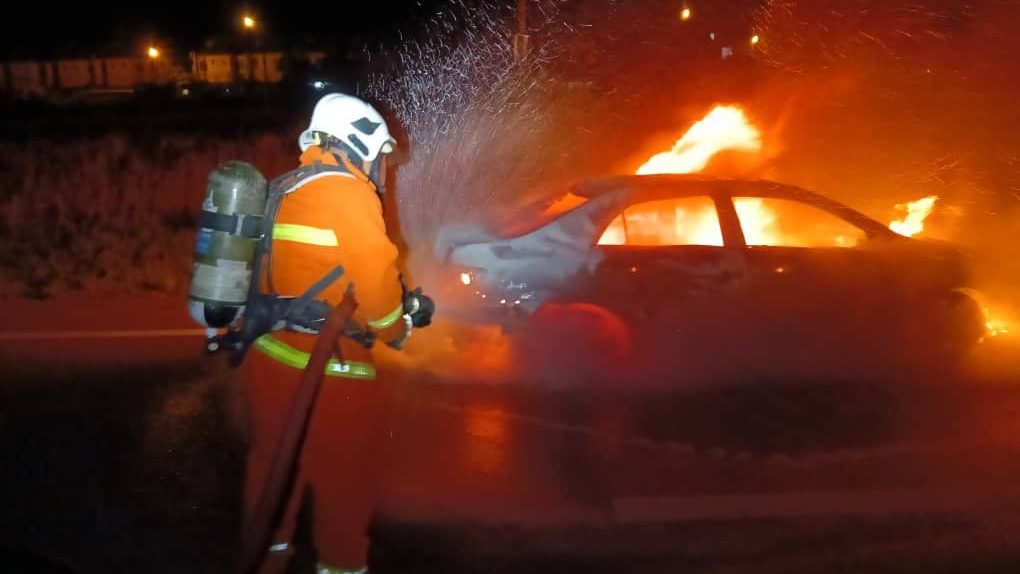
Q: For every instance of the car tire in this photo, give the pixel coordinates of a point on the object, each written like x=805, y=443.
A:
x=574, y=345
x=953, y=327
x=962, y=323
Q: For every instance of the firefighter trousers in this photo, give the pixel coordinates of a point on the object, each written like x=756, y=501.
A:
x=341, y=465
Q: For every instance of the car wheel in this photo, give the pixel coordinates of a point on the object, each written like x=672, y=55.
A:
x=959, y=326
x=575, y=344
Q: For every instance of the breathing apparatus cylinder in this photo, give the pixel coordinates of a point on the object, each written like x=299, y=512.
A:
x=230, y=225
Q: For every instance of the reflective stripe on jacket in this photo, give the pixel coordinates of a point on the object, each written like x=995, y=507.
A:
x=284, y=353
x=328, y=221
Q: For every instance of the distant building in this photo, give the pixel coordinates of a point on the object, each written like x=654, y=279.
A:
x=213, y=68
x=71, y=74
x=121, y=72
x=261, y=68
x=26, y=79
x=232, y=68
x=158, y=71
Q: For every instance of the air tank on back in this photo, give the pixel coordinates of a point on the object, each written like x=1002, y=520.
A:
x=230, y=225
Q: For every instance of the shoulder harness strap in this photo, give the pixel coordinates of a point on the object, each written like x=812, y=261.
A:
x=296, y=178
x=279, y=188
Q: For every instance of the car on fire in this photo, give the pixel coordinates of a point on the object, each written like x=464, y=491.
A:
x=664, y=274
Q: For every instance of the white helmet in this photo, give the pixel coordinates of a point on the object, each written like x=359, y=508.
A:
x=351, y=121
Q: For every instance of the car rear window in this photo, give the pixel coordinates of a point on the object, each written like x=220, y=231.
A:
x=774, y=222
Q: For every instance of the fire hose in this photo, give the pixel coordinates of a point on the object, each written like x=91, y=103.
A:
x=279, y=483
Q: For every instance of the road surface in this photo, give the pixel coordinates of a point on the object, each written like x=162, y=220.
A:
x=124, y=453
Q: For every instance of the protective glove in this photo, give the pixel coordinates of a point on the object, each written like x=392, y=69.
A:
x=399, y=342
x=419, y=308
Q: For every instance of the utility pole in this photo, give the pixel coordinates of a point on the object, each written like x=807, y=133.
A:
x=521, y=38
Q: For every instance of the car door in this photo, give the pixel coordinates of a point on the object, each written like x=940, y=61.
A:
x=814, y=283
x=666, y=270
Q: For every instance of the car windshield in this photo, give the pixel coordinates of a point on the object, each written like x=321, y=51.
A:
x=531, y=216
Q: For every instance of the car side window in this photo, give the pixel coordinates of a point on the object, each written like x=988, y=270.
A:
x=664, y=222
x=772, y=222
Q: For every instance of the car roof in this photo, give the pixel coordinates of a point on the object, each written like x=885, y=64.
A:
x=683, y=185
x=652, y=187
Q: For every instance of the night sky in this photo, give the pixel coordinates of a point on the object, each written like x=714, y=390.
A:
x=61, y=27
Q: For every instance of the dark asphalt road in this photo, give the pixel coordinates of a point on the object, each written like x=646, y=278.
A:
x=126, y=455
x=137, y=468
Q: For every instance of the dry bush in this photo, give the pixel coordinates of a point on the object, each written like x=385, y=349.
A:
x=111, y=214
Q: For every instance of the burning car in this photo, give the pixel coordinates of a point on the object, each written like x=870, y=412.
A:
x=655, y=275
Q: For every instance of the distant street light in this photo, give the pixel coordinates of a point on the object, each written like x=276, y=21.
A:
x=755, y=39
x=153, y=52
x=249, y=24
x=685, y=14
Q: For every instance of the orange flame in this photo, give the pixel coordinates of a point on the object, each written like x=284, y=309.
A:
x=996, y=322
x=912, y=221
x=757, y=221
x=724, y=128
x=765, y=221
x=994, y=326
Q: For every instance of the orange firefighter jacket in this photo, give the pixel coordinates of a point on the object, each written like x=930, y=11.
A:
x=336, y=219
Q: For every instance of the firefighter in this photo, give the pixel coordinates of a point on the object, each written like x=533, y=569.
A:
x=333, y=218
